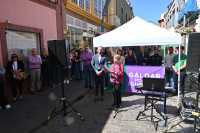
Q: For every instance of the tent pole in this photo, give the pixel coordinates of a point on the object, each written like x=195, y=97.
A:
x=164, y=52
x=185, y=35
x=179, y=76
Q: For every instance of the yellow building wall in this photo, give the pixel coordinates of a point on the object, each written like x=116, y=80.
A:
x=72, y=7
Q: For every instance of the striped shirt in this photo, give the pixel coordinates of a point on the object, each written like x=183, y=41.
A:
x=35, y=62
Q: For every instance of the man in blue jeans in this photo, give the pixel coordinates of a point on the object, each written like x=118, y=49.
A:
x=168, y=67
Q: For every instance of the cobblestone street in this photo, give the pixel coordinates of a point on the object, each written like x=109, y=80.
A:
x=32, y=111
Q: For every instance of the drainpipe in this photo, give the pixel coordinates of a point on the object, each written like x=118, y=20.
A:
x=60, y=19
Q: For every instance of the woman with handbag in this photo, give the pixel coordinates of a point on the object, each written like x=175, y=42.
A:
x=116, y=77
x=15, y=70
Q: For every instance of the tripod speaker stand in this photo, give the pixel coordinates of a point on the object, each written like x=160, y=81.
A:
x=65, y=104
x=154, y=92
x=58, y=57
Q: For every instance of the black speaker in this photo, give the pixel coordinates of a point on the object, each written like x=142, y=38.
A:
x=57, y=59
x=193, y=56
x=58, y=51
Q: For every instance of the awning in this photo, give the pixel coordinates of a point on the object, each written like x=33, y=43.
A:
x=137, y=32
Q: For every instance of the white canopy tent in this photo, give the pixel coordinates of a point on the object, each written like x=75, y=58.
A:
x=139, y=32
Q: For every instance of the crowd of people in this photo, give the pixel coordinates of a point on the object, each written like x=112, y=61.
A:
x=15, y=73
x=107, y=61
x=97, y=69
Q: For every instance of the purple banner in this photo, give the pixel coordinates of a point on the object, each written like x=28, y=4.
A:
x=135, y=74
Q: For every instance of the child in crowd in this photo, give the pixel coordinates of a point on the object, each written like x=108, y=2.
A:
x=116, y=77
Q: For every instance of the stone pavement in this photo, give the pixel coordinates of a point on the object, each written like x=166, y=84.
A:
x=99, y=118
x=33, y=110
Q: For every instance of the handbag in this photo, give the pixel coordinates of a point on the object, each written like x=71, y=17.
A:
x=20, y=75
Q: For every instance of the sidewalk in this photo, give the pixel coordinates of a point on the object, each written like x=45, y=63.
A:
x=99, y=118
x=34, y=109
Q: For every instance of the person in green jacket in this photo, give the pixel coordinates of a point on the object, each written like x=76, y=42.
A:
x=179, y=65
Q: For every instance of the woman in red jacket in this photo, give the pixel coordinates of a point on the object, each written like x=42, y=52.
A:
x=116, y=77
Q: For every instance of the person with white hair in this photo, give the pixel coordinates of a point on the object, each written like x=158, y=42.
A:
x=116, y=78
x=35, y=62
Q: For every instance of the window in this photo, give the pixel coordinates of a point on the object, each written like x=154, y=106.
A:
x=75, y=1
x=98, y=8
x=21, y=43
x=122, y=13
x=82, y=4
x=87, y=5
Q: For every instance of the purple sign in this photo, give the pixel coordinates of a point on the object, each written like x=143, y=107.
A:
x=135, y=74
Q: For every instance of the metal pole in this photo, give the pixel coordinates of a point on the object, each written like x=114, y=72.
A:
x=184, y=21
x=179, y=76
x=185, y=35
x=164, y=52
x=179, y=58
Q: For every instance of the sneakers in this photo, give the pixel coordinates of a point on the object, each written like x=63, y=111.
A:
x=8, y=106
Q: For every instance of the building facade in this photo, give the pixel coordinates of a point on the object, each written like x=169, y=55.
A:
x=85, y=18
x=124, y=11
x=183, y=16
x=173, y=17
x=171, y=14
x=27, y=24
x=120, y=11
x=83, y=21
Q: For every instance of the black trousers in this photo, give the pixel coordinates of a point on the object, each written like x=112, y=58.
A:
x=3, y=100
x=45, y=80
x=16, y=85
x=182, y=82
x=99, y=84
x=117, y=95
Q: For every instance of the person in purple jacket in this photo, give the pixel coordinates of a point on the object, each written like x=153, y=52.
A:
x=86, y=57
x=35, y=62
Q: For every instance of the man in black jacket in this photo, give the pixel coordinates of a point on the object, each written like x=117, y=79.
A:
x=155, y=59
x=98, y=64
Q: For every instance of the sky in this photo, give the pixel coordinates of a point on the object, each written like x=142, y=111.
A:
x=149, y=9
